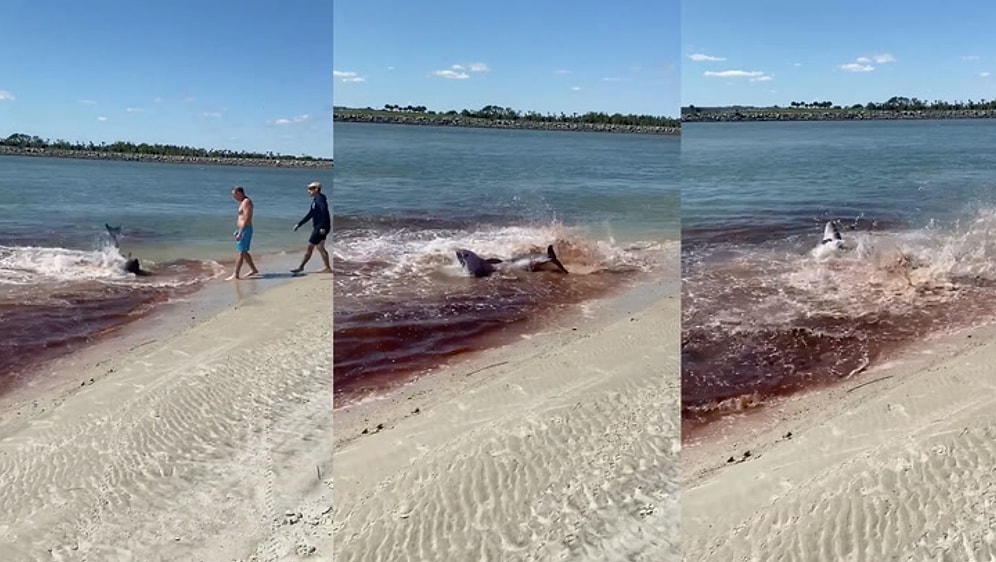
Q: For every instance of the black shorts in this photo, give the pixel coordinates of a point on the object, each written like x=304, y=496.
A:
x=317, y=237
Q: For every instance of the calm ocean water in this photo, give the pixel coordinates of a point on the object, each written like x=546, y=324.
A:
x=407, y=197
x=61, y=282
x=767, y=309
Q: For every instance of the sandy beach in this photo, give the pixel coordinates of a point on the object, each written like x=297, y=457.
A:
x=206, y=437
x=898, y=463
x=563, y=446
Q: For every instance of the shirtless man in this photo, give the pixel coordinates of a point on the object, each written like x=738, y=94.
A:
x=243, y=236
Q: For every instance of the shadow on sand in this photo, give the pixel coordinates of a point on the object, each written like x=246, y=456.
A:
x=278, y=275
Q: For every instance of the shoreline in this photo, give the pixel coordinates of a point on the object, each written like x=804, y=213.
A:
x=200, y=432
x=164, y=159
x=584, y=413
x=518, y=124
x=763, y=114
x=365, y=387
x=203, y=299
x=889, y=441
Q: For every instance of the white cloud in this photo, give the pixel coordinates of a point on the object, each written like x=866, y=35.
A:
x=612, y=79
x=347, y=77
x=452, y=75
x=189, y=99
x=701, y=57
x=6, y=96
x=133, y=109
x=970, y=57
x=102, y=118
x=735, y=74
x=985, y=74
x=88, y=102
x=855, y=67
x=764, y=78
x=576, y=88
x=459, y=71
x=299, y=119
x=863, y=64
x=562, y=72
x=797, y=64
x=157, y=100
x=211, y=114
x=390, y=68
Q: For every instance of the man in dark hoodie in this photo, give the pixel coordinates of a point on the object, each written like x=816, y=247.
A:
x=321, y=226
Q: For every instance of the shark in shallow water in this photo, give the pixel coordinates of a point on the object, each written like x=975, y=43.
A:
x=477, y=266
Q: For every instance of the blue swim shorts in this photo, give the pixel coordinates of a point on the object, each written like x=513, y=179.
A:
x=243, y=244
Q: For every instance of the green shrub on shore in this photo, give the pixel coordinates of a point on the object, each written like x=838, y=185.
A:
x=23, y=141
x=507, y=117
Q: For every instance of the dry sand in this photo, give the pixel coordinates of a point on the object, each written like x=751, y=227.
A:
x=895, y=464
x=560, y=447
x=212, y=442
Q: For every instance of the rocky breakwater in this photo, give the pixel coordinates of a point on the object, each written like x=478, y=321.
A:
x=459, y=121
x=830, y=115
x=275, y=162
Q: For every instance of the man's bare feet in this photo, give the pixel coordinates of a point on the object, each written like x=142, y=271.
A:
x=326, y=270
x=232, y=277
x=254, y=273
x=297, y=270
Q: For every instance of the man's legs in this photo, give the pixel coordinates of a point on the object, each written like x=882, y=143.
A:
x=325, y=258
x=242, y=245
x=253, y=270
x=238, y=267
x=307, y=256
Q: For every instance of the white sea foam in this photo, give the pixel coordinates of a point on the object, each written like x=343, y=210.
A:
x=405, y=255
x=32, y=264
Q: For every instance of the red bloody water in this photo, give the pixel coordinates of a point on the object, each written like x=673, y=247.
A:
x=46, y=320
x=378, y=344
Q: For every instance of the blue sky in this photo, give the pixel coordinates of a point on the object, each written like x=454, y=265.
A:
x=541, y=55
x=243, y=75
x=769, y=52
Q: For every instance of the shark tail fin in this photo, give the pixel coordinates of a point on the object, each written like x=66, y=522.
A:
x=553, y=258
x=830, y=233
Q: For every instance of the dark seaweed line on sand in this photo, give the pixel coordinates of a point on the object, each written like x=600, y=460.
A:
x=456, y=121
x=165, y=159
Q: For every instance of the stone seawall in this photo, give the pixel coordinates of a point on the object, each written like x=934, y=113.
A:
x=838, y=115
x=165, y=159
x=458, y=121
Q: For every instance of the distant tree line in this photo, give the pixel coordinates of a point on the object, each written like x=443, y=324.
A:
x=20, y=140
x=407, y=108
x=814, y=105
x=901, y=103
x=895, y=103
x=496, y=112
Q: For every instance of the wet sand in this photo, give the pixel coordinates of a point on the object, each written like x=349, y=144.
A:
x=898, y=463
x=563, y=445
x=204, y=436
